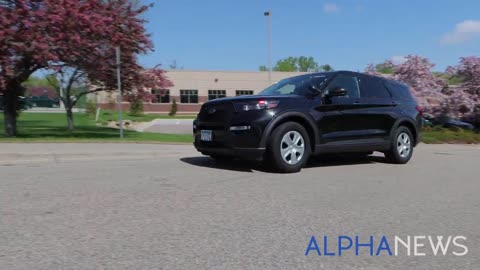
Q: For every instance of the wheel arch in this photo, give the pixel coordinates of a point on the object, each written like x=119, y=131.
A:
x=410, y=124
x=297, y=117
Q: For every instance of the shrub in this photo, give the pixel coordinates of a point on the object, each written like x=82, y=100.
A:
x=136, y=107
x=90, y=107
x=173, y=109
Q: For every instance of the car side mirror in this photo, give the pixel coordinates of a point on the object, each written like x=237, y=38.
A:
x=336, y=92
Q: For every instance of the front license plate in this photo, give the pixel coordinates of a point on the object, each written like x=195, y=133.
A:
x=206, y=135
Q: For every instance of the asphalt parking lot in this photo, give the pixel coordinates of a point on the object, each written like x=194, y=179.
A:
x=167, y=207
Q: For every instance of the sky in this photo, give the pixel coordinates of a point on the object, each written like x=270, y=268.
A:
x=347, y=34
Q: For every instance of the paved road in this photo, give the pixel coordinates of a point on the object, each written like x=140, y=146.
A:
x=173, y=126
x=165, y=207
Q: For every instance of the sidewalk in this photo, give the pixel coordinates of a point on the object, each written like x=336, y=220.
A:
x=21, y=153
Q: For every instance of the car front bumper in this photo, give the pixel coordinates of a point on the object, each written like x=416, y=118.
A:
x=241, y=144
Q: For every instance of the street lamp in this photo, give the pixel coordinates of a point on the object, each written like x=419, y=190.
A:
x=269, y=15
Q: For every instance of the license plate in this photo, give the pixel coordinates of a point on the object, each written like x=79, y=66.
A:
x=206, y=135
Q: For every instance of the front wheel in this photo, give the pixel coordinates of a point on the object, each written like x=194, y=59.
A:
x=289, y=148
x=401, y=149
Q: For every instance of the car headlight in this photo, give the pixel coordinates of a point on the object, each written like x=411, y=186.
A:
x=257, y=105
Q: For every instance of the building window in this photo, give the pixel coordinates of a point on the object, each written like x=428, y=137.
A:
x=188, y=96
x=213, y=94
x=244, y=92
x=161, y=96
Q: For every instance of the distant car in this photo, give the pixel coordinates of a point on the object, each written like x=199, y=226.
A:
x=449, y=122
x=313, y=114
x=23, y=102
x=44, y=101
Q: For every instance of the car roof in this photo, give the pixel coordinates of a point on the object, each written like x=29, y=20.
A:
x=358, y=73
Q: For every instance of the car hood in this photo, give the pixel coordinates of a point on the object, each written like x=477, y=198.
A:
x=250, y=98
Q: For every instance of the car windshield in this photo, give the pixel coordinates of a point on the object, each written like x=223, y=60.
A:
x=294, y=86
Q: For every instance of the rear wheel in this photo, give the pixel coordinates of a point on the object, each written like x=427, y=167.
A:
x=289, y=148
x=401, y=149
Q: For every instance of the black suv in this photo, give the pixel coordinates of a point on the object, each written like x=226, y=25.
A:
x=313, y=114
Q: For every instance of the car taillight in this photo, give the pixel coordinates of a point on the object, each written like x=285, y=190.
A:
x=419, y=110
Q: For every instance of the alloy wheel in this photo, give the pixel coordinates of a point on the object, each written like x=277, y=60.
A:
x=404, y=145
x=292, y=147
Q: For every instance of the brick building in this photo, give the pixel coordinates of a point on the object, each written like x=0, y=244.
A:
x=193, y=88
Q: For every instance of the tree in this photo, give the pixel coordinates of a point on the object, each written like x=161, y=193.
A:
x=39, y=34
x=307, y=64
x=36, y=81
x=262, y=68
x=154, y=78
x=173, y=109
x=326, y=68
x=416, y=71
x=466, y=75
x=371, y=70
x=287, y=64
x=469, y=69
x=298, y=64
x=71, y=80
x=387, y=67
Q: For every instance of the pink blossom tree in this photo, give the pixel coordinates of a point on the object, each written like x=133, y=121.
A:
x=416, y=72
x=80, y=34
x=469, y=69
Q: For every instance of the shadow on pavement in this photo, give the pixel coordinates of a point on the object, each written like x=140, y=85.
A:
x=231, y=165
x=247, y=166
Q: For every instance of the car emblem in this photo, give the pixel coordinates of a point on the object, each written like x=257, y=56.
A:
x=212, y=110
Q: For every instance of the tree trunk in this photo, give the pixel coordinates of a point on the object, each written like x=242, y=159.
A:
x=70, y=124
x=10, y=109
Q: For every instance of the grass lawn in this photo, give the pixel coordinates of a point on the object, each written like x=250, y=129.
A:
x=51, y=127
x=442, y=135
x=107, y=115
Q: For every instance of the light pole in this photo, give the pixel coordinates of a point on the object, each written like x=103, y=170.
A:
x=269, y=15
x=119, y=95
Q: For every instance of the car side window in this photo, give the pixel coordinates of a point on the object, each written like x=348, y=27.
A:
x=374, y=88
x=347, y=82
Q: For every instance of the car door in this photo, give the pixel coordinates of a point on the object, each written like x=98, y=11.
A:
x=377, y=108
x=334, y=125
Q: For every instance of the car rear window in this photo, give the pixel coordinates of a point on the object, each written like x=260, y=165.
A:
x=399, y=91
x=374, y=88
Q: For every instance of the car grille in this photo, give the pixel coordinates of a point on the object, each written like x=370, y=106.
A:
x=216, y=114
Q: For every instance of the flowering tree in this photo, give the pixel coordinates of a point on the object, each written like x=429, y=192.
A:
x=469, y=69
x=433, y=93
x=75, y=83
x=465, y=97
x=371, y=70
x=387, y=67
x=416, y=71
x=148, y=79
x=39, y=34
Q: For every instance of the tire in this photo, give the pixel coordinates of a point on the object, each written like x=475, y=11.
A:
x=401, y=148
x=285, y=137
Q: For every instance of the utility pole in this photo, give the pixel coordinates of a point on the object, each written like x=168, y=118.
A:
x=269, y=15
x=119, y=95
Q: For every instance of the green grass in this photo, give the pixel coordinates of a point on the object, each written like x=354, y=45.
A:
x=51, y=127
x=442, y=135
x=107, y=115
